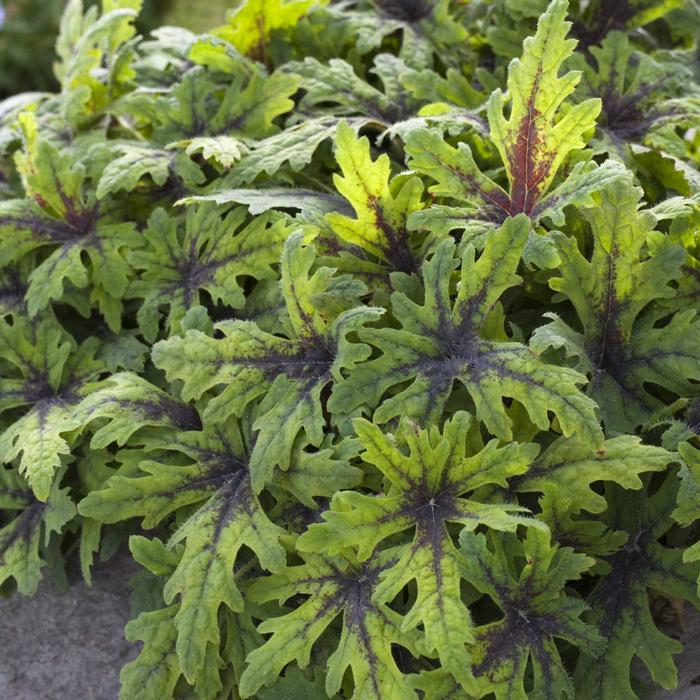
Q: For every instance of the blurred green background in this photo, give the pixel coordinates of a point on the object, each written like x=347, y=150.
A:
x=28, y=31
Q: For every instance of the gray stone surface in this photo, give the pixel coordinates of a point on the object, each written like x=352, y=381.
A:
x=66, y=645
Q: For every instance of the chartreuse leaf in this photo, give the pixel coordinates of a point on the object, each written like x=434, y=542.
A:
x=536, y=136
x=47, y=377
x=541, y=130
x=25, y=534
x=251, y=25
x=567, y=470
x=154, y=673
x=286, y=375
x=204, y=474
x=536, y=610
x=620, y=346
x=208, y=252
x=428, y=489
x=127, y=403
x=208, y=468
x=620, y=601
x=441, y=341
x=333, y=586
x=379, y=226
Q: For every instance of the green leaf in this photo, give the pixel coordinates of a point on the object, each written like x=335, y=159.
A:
x=427, y=489
x=334, y=586
x=620, y=601
x=294, y=684
x=209, y=252
x=427, y=29
x=134, y=162
x=337, y=90
x=380, y=223
x=536, y=610
x=687, y=509
x=315, y=476
x=250, y=26
x=127, y=403
x=441, y=341
x=568, y=469
x=196, y=116
x=373, y=461
x=542, y=129
x=214, y=476
x=644, y=100
x=621, y=347
x=250, y=112
x=284, y=376
x=196, y=107
x=224, y=150
x=47, y=377
x=294, y=146
x=13, y=287
x=265, y=199
x=83, y=242
x=26, y=533
x=95, y=55
x=94, y=468
x=155, y=671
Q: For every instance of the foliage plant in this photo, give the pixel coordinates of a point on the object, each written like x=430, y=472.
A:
x=373, y=329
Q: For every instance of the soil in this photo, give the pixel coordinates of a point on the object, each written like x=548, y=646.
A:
x=60, y=645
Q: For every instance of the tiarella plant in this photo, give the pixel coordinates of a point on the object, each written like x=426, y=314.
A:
x=371, y=328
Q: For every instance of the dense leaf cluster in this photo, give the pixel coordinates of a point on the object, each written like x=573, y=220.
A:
x=374, y=327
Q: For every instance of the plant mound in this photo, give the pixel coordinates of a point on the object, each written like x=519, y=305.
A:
x=373, y=328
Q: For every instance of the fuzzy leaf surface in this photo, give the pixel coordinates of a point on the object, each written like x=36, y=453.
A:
x=284, y=376
x=440, y=342
x=428, y=488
